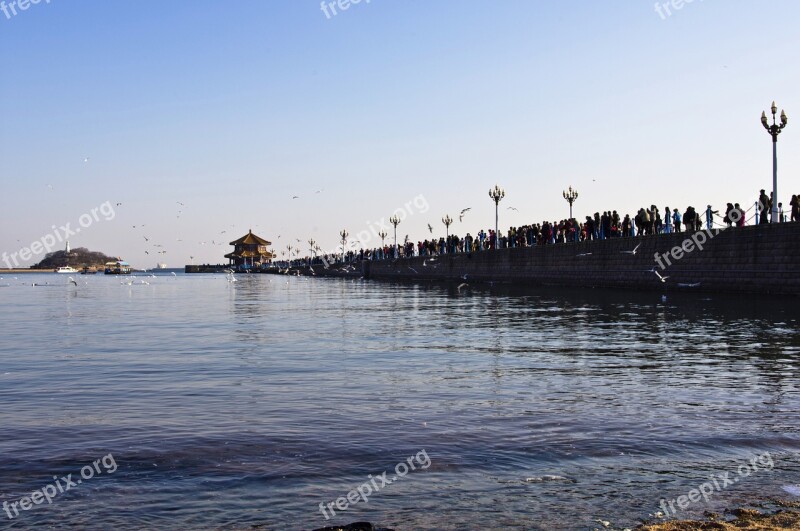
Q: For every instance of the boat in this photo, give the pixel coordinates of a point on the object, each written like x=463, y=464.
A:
x=161, y=266
x=89, y=271
x=66, y=269
x=119, y=267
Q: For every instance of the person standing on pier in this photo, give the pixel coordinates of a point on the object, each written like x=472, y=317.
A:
x=676, y=219
x=795, y=208
x=710, y=217
x=765, y=205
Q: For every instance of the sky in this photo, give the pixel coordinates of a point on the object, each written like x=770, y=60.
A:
x=195, y=121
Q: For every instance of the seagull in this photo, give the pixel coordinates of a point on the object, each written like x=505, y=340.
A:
x=430, y=228
x=181, y=204
x=512, y=208
x=73, y=281
x=465, y=210
x=85, y=160
x=173, y=274
x=147, y=252
x=634, y=250
x=319, y=191
x=414, y=270
x=662, y=279
x=146, y=238
x=462, y=286
x=295, y=197
x=584, y=254
x=792, y=489
x=464, y=277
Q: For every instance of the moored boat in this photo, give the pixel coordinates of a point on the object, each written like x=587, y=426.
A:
x=66, y=269
x=119, y=267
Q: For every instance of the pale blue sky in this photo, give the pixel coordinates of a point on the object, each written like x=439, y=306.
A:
x=232, y=108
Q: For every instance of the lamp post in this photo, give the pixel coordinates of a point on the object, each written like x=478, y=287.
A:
x=774, y=130
x=447, y=220
x=570, y=196
x=497, y=194
x=382, y=234
x=344, y=234
x=311, y=243
x=289, y=248
x=394, y=220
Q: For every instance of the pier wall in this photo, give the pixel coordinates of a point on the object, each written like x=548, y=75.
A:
x=757, y=259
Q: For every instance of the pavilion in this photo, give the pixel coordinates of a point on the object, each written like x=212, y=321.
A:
x=250, y=251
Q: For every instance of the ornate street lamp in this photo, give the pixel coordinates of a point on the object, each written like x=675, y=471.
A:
x=570, y=196
x=394, y=220
x=497, y=194
x=383, y=236
x=447, y=220
x=311, y=243
x=774, y=130
x=344, y=234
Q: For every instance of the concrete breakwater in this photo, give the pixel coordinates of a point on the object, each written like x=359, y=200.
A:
x=759, y=259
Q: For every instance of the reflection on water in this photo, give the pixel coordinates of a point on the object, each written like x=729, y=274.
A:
x=228, y=405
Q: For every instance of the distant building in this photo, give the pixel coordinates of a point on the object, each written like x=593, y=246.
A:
x=250, y=251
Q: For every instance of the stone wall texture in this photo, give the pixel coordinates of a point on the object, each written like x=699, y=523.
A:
x=758, y=259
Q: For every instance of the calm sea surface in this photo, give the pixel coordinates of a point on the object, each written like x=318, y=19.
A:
x=229, y=405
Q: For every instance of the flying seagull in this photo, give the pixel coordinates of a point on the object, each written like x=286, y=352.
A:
x=634, y=250
x=662, y=279
x=512, y=208
x=430, y=228
x=73, y=281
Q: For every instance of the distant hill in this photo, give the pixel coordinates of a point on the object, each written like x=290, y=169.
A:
x=77, y=258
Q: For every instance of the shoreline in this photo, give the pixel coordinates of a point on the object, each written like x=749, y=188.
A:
x=787, y=517
x=20, y=271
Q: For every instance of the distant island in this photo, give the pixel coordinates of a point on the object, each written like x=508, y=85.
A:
x=77, y=258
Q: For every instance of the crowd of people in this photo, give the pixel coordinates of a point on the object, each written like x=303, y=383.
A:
x=609, y=224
